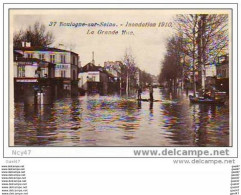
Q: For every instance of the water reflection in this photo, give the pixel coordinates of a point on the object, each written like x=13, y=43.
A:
x=116, y=121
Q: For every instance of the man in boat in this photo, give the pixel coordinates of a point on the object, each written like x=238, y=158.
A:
x=206, y=94
x=151, y=92
x=139, y=91
x=212, y=93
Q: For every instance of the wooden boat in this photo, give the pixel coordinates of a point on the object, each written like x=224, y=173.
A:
x=202, y=100
x=148, y=100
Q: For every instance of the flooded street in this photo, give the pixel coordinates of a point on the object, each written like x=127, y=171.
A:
x=117, y=121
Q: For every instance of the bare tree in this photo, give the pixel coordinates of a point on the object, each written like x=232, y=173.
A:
x=130, y=67
x=36, y=34
x=172, y=68
x=214, y=36
x=204, y=38
x=187, y=27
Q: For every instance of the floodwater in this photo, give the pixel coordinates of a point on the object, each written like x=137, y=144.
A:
x=117, y=121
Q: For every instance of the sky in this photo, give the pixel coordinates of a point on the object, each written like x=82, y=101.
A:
x=147, y=44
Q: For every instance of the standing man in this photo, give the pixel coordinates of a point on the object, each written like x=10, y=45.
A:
x=212, y=93
x=139, y=91
x=151, y=92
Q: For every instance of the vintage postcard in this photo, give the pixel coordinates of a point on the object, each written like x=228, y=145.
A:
x=87, y=86
x=120, y=77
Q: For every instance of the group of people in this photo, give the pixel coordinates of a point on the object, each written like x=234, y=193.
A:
x=139, y=92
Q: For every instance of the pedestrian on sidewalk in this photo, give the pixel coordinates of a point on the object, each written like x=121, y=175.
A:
x=151, y=92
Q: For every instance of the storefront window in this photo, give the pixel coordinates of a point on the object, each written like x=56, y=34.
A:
x=21, y=71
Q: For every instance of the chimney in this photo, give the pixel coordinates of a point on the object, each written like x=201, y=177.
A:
x=28, y=44
x=93, y=58
x=23, y=44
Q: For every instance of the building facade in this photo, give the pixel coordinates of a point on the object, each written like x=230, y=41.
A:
x=114, y=68
x=34, y=80
x=66, y=63
x=223, y=67
x=222, y=82
x=95, y=79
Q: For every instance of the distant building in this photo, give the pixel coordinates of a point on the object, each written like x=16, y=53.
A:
x=114, y=68
x=210, y=75
x=118, y=70
x=154, y=80
x=223, y=67
x=95, y=79
x=210, y=70
x=222, y=82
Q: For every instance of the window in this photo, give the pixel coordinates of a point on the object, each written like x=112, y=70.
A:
x=44, y=72
x=62, y=73
x=30, y=55
x=73, y=74
x=63, y=59
x=223, y=73
x=21, y=71
x=75, y=60
x=52, y=58
x=92, y=78
x=41, y=56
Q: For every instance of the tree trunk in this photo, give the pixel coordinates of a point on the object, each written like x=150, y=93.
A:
x=193, y=69
x=127, y=84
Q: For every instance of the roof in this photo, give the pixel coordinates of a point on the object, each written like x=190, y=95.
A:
x=39, y=48
x=91, y=67
x=17, y=53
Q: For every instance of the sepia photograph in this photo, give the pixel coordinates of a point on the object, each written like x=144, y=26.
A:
x=120, y=77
